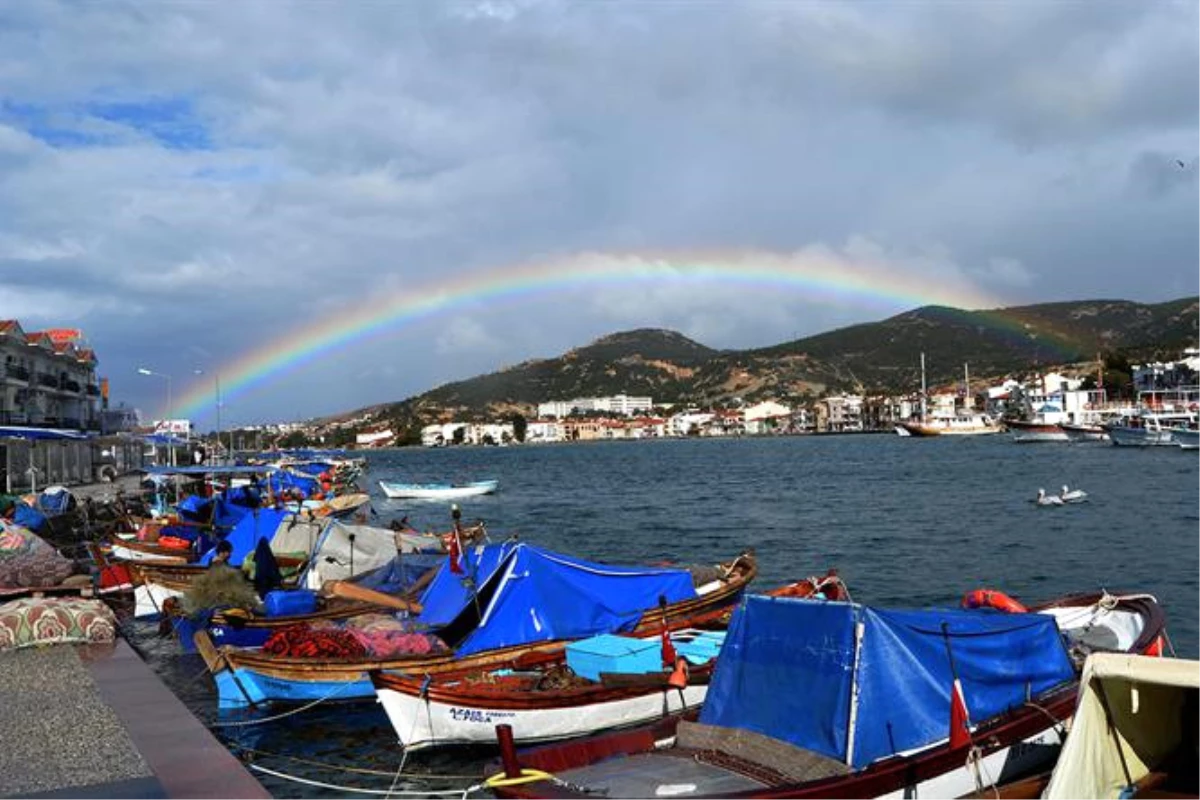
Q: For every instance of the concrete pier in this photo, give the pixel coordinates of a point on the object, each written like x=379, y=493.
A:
x=95, y=721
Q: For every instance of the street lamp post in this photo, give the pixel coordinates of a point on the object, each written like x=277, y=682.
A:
x=167, y=410
x=217, y=385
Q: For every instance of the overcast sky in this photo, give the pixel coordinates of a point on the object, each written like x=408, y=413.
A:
x=190, y=182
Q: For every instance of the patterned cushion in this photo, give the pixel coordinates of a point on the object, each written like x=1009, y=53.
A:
x=54, y=620
x=27, y=561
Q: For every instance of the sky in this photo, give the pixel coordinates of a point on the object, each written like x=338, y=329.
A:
x=319, y=206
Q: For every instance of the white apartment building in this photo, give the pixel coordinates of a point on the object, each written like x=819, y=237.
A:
x=617, y=404
x=47, y=379
x=765, y=417
x=377, y=438
x=688, y=422
x=844, y=412
x=540, y=431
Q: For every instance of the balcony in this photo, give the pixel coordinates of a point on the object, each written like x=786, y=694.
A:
x=72, y=386
x=93, y=390
x=49, y=381
x=16, y=373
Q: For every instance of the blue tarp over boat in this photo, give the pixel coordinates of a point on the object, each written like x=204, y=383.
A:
x=528, y=594
x=788, y=671
x=245, y=535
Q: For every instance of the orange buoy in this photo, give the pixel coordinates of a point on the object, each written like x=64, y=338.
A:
x=679, y=676
x=990, y=598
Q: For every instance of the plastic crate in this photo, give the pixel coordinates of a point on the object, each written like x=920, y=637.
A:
x=608, y=653
x=702, y=647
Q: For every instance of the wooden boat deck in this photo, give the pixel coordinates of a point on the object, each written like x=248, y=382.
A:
x=95, y=721
x=673, y=777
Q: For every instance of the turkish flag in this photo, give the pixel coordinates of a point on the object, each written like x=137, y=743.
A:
x=960, y=723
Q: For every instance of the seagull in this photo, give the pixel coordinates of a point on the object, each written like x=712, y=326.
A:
x=1076, y=496
x=1044, y=499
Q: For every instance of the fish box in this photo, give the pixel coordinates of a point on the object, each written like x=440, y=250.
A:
x=287, y=603
x=701, y=648
x=608, y=653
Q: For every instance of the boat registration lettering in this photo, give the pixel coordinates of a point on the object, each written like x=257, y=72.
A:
x=475, y=715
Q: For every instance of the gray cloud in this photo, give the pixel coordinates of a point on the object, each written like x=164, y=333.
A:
x=191, y=181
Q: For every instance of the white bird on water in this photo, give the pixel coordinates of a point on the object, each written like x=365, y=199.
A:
x=1073, y=495
x=1044, y=499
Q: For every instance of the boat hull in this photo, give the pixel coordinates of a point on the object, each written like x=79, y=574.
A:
x=1084, y=433
x=1124, y=436
x=1032, y=432
x=415, y=491
x=422, y=722
x=931, y=429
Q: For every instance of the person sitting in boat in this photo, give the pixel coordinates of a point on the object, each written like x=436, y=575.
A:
x=223, y=552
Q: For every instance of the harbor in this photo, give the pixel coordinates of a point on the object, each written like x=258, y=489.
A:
x=334, y=746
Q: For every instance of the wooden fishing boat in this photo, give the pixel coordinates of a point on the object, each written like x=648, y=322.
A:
x=567, y=693
x=929, y=703
x=437, y=491
x=495, y=623
x=123, y=548
x=1083, y=432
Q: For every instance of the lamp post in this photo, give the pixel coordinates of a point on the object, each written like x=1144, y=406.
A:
x=217, y=386
x=167, y=410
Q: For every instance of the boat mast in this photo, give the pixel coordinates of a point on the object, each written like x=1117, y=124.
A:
x=922, y=387
x=967, y=404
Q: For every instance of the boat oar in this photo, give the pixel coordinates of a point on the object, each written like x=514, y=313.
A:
x=352, y=591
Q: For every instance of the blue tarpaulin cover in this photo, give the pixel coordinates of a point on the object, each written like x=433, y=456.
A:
x=245, y=535
x=787, y=671
x=540, y=595
x=399, y=573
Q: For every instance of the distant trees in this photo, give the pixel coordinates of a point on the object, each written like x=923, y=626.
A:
x=520, y=425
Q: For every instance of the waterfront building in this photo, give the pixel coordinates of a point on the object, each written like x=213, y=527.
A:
x=844, y=412
x=48, y=379
x=617, y=404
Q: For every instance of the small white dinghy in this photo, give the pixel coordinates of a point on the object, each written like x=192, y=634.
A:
x=1044, y=499
x=437, y=491
x=1073, y=495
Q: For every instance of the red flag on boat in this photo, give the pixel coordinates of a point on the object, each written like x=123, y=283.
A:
x=960, y=723
x=455, y=566
x=668, y=649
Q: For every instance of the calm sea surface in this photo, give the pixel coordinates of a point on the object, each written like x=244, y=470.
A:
x=907, y=522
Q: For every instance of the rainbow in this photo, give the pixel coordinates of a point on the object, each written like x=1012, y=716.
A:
x=822, y=274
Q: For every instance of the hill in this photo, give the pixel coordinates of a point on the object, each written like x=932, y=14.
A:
x=872, y=357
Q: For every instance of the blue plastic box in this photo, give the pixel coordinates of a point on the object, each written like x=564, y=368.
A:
x=608, y=653
x=702, y=647
x=286, y=603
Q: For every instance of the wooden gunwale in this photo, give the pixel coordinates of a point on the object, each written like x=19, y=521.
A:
x=510, y=699
x=695, y=612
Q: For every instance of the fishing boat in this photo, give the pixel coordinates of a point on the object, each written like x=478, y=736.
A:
x=1084, y=432
x=488, y=606
x=1187, y=437
x=593, y=685
x=1028, y=431
x=1147, y=429
x=437, y=491
x=841, y=700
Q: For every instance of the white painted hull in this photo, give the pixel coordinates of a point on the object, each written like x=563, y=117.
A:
x=1186, y=438
x=422, y=723
x=402, y=491
x=129, y=554
x=1140, y=437
x=1029, y=756
x=148, y=599
x=1030, y=437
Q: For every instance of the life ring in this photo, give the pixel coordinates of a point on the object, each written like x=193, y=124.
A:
x=990, y=598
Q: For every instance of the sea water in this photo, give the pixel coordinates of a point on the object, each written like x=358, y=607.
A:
x=906, y=522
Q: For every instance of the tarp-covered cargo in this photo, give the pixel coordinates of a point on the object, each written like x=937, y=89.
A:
x=521, y=593
x=791, y=669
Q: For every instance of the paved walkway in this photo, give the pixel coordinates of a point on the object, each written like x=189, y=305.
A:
x=95, y=721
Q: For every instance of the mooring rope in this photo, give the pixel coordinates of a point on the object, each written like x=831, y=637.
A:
x=360, y=790
x=341, y=687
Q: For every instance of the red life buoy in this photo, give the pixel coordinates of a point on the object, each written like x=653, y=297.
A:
x=990, y=598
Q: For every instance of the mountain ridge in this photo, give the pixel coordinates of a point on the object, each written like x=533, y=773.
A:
x=880, y=356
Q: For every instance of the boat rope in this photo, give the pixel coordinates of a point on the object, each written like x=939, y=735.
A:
x=331, y=767
x=1059, y=726
x=341, y=687
x=978, y=768
x=362, y=790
